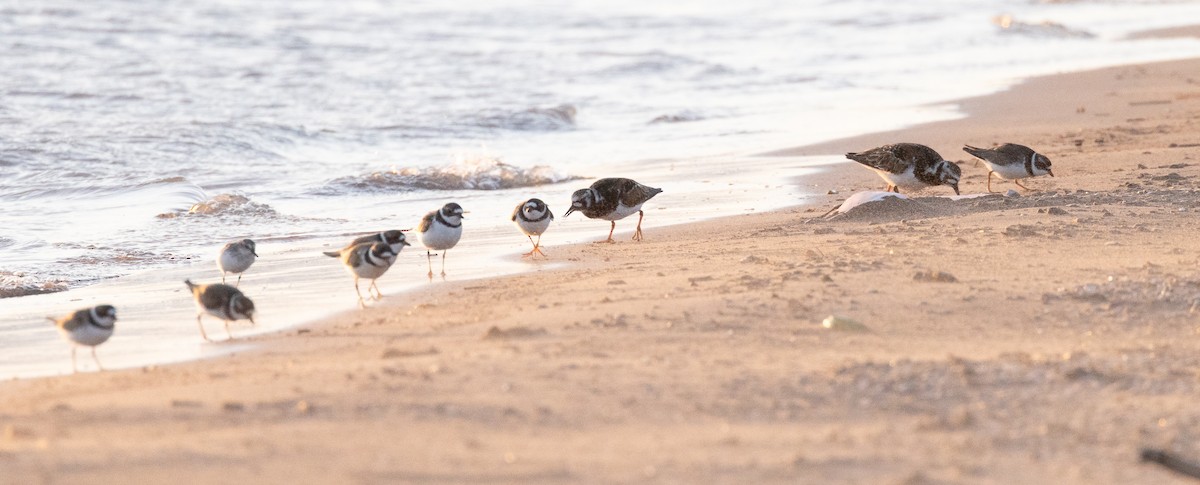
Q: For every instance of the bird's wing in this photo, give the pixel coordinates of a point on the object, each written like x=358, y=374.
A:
x=880, y=159
x=633, y=193
x=426, y=222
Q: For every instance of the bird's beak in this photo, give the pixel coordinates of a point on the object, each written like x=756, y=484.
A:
x=406, y=243
x=955, y=187
x=251, y=318
x=254, y=253
x=569, y=211
x=1051, y=172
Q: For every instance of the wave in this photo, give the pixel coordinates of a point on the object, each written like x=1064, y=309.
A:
x=20, y=284
x=222, y=205
x=473, y=174
x=1009, y=25
x=660, y=63
x=681, y=117
x=558, y=118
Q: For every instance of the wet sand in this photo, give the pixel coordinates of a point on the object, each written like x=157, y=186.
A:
x=294, y=284
x=1063, y=340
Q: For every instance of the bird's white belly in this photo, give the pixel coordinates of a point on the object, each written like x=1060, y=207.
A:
x=234, y=262
x=440, y=237
x=87, y=335
x=369, y=271
x=904, y=180
x=622, y=212
x=1009, y=172
x=534, y=228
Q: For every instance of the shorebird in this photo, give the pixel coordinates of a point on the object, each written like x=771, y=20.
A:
x=612, y=199
x=910, y=166
x=368, y=260
x=1011, y=162
x=533, y=218
x=394, y=238
x=236, y=257
x=222, y=301
x=89, y=326
x=440, y=230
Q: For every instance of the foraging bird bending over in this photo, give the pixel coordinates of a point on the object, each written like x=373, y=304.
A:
x=394, y=238
x=90, y=327
x=910, y=166
x=236, y=257
x=222, y=301
x=612, y=199
x=368, y=260
x=1011, y=162
x=533, y=218
x=440, y=230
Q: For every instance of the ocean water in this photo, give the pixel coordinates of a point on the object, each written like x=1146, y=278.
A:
x=137, y=137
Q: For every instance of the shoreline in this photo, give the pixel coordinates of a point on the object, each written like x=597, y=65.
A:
x=831, y=149
x=293, y=285
x=698, y=355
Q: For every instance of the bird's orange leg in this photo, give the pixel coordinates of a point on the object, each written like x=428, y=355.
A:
x=531, y=251
x=537, y=246
x=610, y=233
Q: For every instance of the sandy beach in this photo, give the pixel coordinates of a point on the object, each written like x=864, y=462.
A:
x=1038, y=338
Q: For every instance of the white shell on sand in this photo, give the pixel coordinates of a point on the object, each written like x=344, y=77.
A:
x=834, y=322
x=867, y=197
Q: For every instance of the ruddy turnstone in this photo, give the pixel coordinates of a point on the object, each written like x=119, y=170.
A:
x=1011, y=162
x=612, y=199
x=222, y=301
x=440, y=230
x=368, y=260
x=236, y=257
x=90, y=327
x=533, y=217
x=394, y=238
x=910, y=166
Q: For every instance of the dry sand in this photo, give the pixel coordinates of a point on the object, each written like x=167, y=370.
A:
x=1043, y=338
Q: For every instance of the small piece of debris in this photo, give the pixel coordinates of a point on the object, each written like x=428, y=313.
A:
x=13, y=432
x=754, y=259
x=616, y=282
x=843, y=324
x=1012, y=193
x=497, y=333
x=938, y=277
x=1020, y=230
x=233, y=406
x=1055, y=211
x=394, y=353
x=182, y=403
